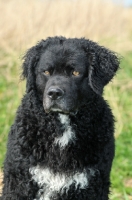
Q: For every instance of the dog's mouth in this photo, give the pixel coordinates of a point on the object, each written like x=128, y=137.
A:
x=61, y=111
x=58, y=109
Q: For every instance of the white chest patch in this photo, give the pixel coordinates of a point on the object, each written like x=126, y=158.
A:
x=50, y=182
x=68, y=134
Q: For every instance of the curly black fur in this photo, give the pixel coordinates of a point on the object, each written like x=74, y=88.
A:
x=31, y=138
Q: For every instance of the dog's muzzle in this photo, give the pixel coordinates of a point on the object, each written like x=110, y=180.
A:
x=56, y=100
x=53, y=99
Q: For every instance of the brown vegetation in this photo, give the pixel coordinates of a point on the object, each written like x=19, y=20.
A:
x=23, y=22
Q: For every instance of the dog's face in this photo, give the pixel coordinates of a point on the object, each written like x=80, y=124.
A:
x=62, y=77
x=66, y=72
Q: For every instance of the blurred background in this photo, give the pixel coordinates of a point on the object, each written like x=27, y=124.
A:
x=109, y=22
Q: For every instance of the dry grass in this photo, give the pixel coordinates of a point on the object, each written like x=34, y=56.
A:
x=23, y=22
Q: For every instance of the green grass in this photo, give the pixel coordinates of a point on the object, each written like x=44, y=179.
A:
x=122, y=166
x=119, y=95
x=10, y=94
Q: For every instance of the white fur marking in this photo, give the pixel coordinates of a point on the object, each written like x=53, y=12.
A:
x=68, y=134
x=50, y=183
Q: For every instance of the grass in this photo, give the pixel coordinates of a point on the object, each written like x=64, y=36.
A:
x=122, y=167
x=24, y=22
x=9, y=98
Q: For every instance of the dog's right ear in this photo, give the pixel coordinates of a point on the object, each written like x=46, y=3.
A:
x=30, y=60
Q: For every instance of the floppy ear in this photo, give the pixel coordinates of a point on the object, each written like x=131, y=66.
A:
x=30, y=60
x=103, y=66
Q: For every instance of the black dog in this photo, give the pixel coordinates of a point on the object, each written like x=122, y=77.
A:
x=61, y=145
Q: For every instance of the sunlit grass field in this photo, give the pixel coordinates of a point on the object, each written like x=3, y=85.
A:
x=24, y=22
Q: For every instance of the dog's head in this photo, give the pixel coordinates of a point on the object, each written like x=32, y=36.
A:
x=65, y=72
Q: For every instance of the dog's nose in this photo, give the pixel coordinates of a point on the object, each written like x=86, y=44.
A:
x=55, y=93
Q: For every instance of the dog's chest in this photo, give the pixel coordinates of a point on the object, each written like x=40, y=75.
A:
x=49, y=183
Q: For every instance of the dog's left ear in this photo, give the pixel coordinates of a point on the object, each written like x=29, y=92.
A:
x=103, y=66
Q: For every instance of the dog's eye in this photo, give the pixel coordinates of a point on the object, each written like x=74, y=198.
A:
x=75, y=73
x=47, y=73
